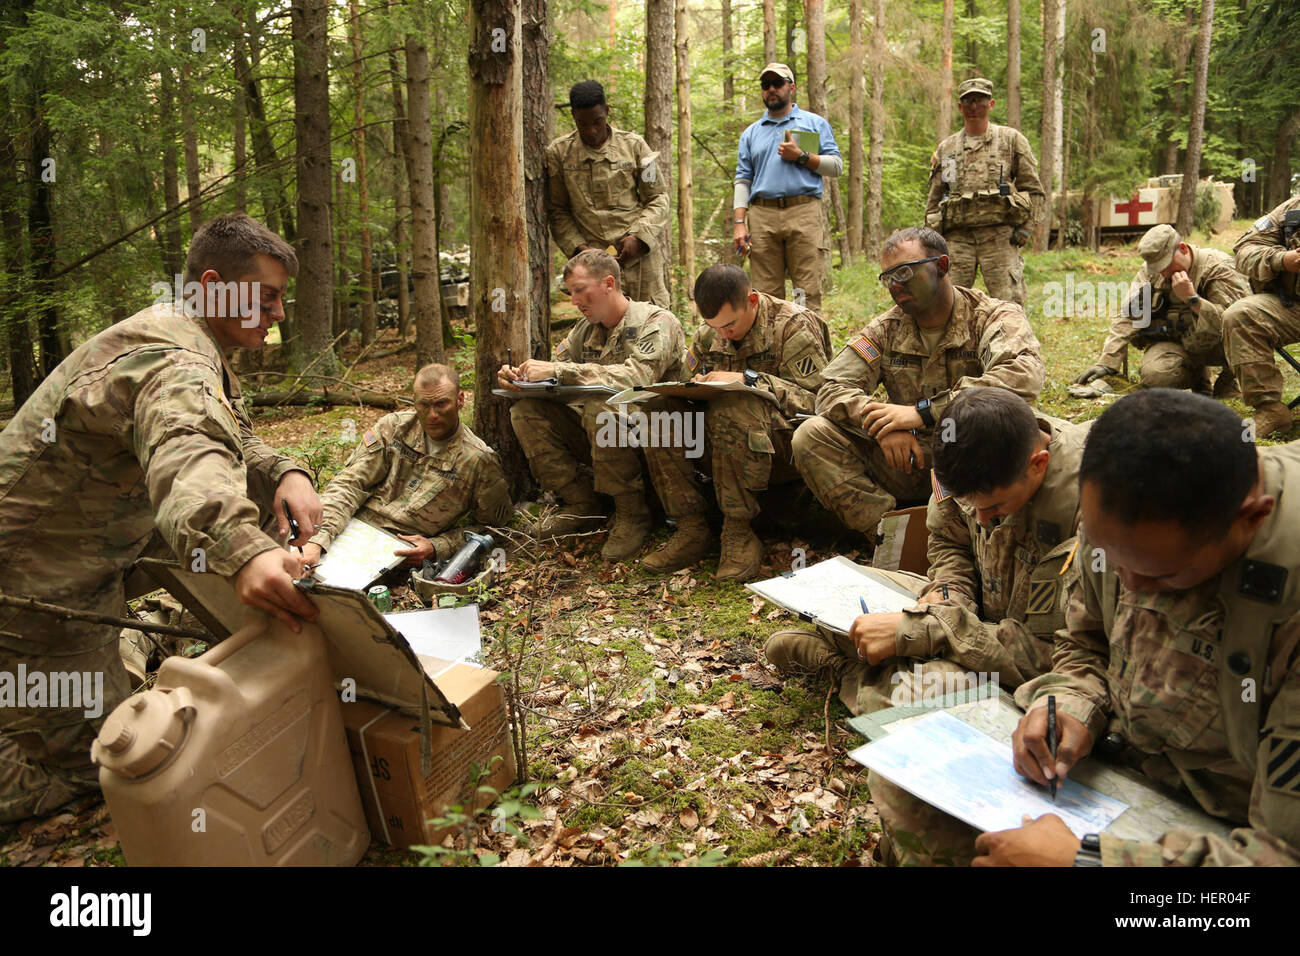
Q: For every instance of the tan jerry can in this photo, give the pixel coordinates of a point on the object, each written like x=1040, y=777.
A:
x=235, y=758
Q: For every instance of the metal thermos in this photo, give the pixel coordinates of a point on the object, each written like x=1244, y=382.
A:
x=461, y=567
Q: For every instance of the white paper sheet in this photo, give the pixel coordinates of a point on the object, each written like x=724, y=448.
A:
x=830, y=593
x=359, y=555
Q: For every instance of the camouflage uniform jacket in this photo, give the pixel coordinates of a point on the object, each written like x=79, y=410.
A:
x=787, y=344
x=1203, y=684
x=987, y=342
x=1218, y=284
x=645, y=347
x=143, y=425
x=1259, y=252
x=964, y=173
x=1003, y=586
x=597, y=196
x=393, y=483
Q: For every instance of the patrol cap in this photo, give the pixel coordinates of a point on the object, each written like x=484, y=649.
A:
x=976, y=84
x=1157, y=247
x=780, y=69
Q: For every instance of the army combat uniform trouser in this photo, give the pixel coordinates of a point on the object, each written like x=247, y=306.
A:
x=747, y=445
x=988, y=249
x=790, y=241
x=1252, y=328
x=849, y=474
x=559, y=440
x=1171, y=365
x=643, y=280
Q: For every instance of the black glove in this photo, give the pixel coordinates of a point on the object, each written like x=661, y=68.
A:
x=1094, y=371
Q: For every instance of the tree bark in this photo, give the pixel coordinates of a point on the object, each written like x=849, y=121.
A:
x=240, y=135
x=173, y=250
x=537, y=134
x=310, y=25
x=793, y=10
x=326, y=396
x=832, y=208
x=875, y=159
x=1013, y=63
x=1058, y=91
x=659, y=105
x=419, y=171
x=945, y=72
x=1047, y=144
x=41, y=236
x=363, y=195
x=1279, y=179
x=769, y=31
x=728, y=76
x=1063, y=199
x=1196, y=132
x=857, y=99
x=1178, y=91
x=17, y=328
x=499, y=277
x=190, y=139
x=685, y=179
x=972, y=48
x=401, y=199
x=275, y=206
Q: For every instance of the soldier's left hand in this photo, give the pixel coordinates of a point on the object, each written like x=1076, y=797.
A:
x=1181, y=283
x=295, y=487
x=720, y=378
x=874, y=636
x=534, y=370
x=422, y=548
x=629, y=248
x=882, y=418
x=902, y=452
x=1046, y=841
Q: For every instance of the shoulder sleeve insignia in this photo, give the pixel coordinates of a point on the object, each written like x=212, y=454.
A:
x=806, y=366
x=562, y=350
x=866, y=348
x=1042, y=597
x=370, y=438
x=1262, y=223
x=1283, y=766
x=691, y=361
x=630, y=334
x=940, y=492
x=648, y=346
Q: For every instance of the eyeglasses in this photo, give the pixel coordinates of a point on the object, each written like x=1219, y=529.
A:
x=772, y=84
x=903, y=271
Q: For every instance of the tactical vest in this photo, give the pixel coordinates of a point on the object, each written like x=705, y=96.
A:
x=976, y=196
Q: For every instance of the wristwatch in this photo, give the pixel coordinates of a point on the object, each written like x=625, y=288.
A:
x=1089, y=852
x=927, y=416
x=1193, y=300
x=803, y=160
x=751, y=377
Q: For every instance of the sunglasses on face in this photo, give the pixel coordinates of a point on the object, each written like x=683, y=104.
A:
x=900, y=273
x=772, y=84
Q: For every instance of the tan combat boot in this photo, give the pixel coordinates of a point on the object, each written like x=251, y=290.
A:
x=742, y=552
x=1225, y=386
x=804, y=653
x=580, y=510
x=630, y=526
x=1272, y=417
x=690, y=542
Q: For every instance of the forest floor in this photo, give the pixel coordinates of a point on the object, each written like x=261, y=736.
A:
x=656, y=734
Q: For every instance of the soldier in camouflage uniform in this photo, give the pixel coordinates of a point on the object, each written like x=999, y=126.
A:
x=1174, y=312
x=1181, y=656
x=1269, y=256
x=417, y=473
x=860, y=455
x=777, y=348
x=985, y=196
x=621, y=345
x=142, y=426
x=604, y=192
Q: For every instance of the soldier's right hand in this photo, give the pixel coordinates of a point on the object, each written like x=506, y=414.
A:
x=311, y=555
x=1092, y=372
x=266, y=582
x=902, y=451
x=1033, y=758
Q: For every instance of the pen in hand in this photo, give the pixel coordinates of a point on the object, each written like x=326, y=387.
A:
x=1051, y=740
x=294, y=530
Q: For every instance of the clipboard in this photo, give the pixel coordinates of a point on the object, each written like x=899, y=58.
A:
x=691, y=391
x=827, y=594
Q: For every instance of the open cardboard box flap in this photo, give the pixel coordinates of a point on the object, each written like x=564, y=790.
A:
x=362, y=645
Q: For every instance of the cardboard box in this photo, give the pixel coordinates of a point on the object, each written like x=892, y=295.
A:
x=385, y=747
x=903, y=541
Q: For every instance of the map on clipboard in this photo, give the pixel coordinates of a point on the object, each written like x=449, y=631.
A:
x=359, y=557
x=552, y=390
x=693, y=391
x=830, y=593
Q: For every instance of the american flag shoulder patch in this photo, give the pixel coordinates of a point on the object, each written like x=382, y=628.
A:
x=369, y=437
x=865, y=348
x=691, y=361
x=940, y=492
x=562, y=349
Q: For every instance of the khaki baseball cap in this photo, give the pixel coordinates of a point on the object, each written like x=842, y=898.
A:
x=780, y=69
x=1157, y=247
x=975, y=84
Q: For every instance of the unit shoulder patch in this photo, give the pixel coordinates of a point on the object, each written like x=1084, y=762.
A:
x=1282, y=766
x=1042, y=597
x=806, y=366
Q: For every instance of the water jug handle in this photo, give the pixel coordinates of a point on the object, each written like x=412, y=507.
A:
x=182, y=703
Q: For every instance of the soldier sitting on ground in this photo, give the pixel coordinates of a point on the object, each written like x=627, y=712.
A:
x=416, y=474
x=1174, y=313
x=777, y=348
x=1181, y=653
x=860, y=455
x=622, y=344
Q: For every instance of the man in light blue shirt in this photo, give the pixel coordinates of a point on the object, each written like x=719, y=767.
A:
x=779, y=183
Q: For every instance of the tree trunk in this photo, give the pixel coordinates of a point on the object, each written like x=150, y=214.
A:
x=499, y=280
x=17, y=328
x=857, y=99
x=1178, y=92
x=341, y=310
x=190, y=138
x=41, y=235
x=945, y=72
x=1196, y=132
x=769, y=31
x=419, y=170
x=1047, y=143
x=440, y=198
x=793, y=9
x=537, y=134
x=1279, y=179
x=1063, y=200
x=972, y=48
x=239, y=108
x=1013, y=63
x=728, y=76
x=1088, y=210
x=875, y=159
x=1058, y=90
x=173, y=246
x=685, y=180
x=310, y=20
x=832, y=213
x=363, y=196
x=401, y=199
x=659, y=105
x=275, y=207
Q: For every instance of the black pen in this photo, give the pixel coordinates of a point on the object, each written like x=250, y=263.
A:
x=1051, y=740
x=294, y=530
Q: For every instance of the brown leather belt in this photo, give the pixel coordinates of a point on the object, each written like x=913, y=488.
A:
x=782, y=201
